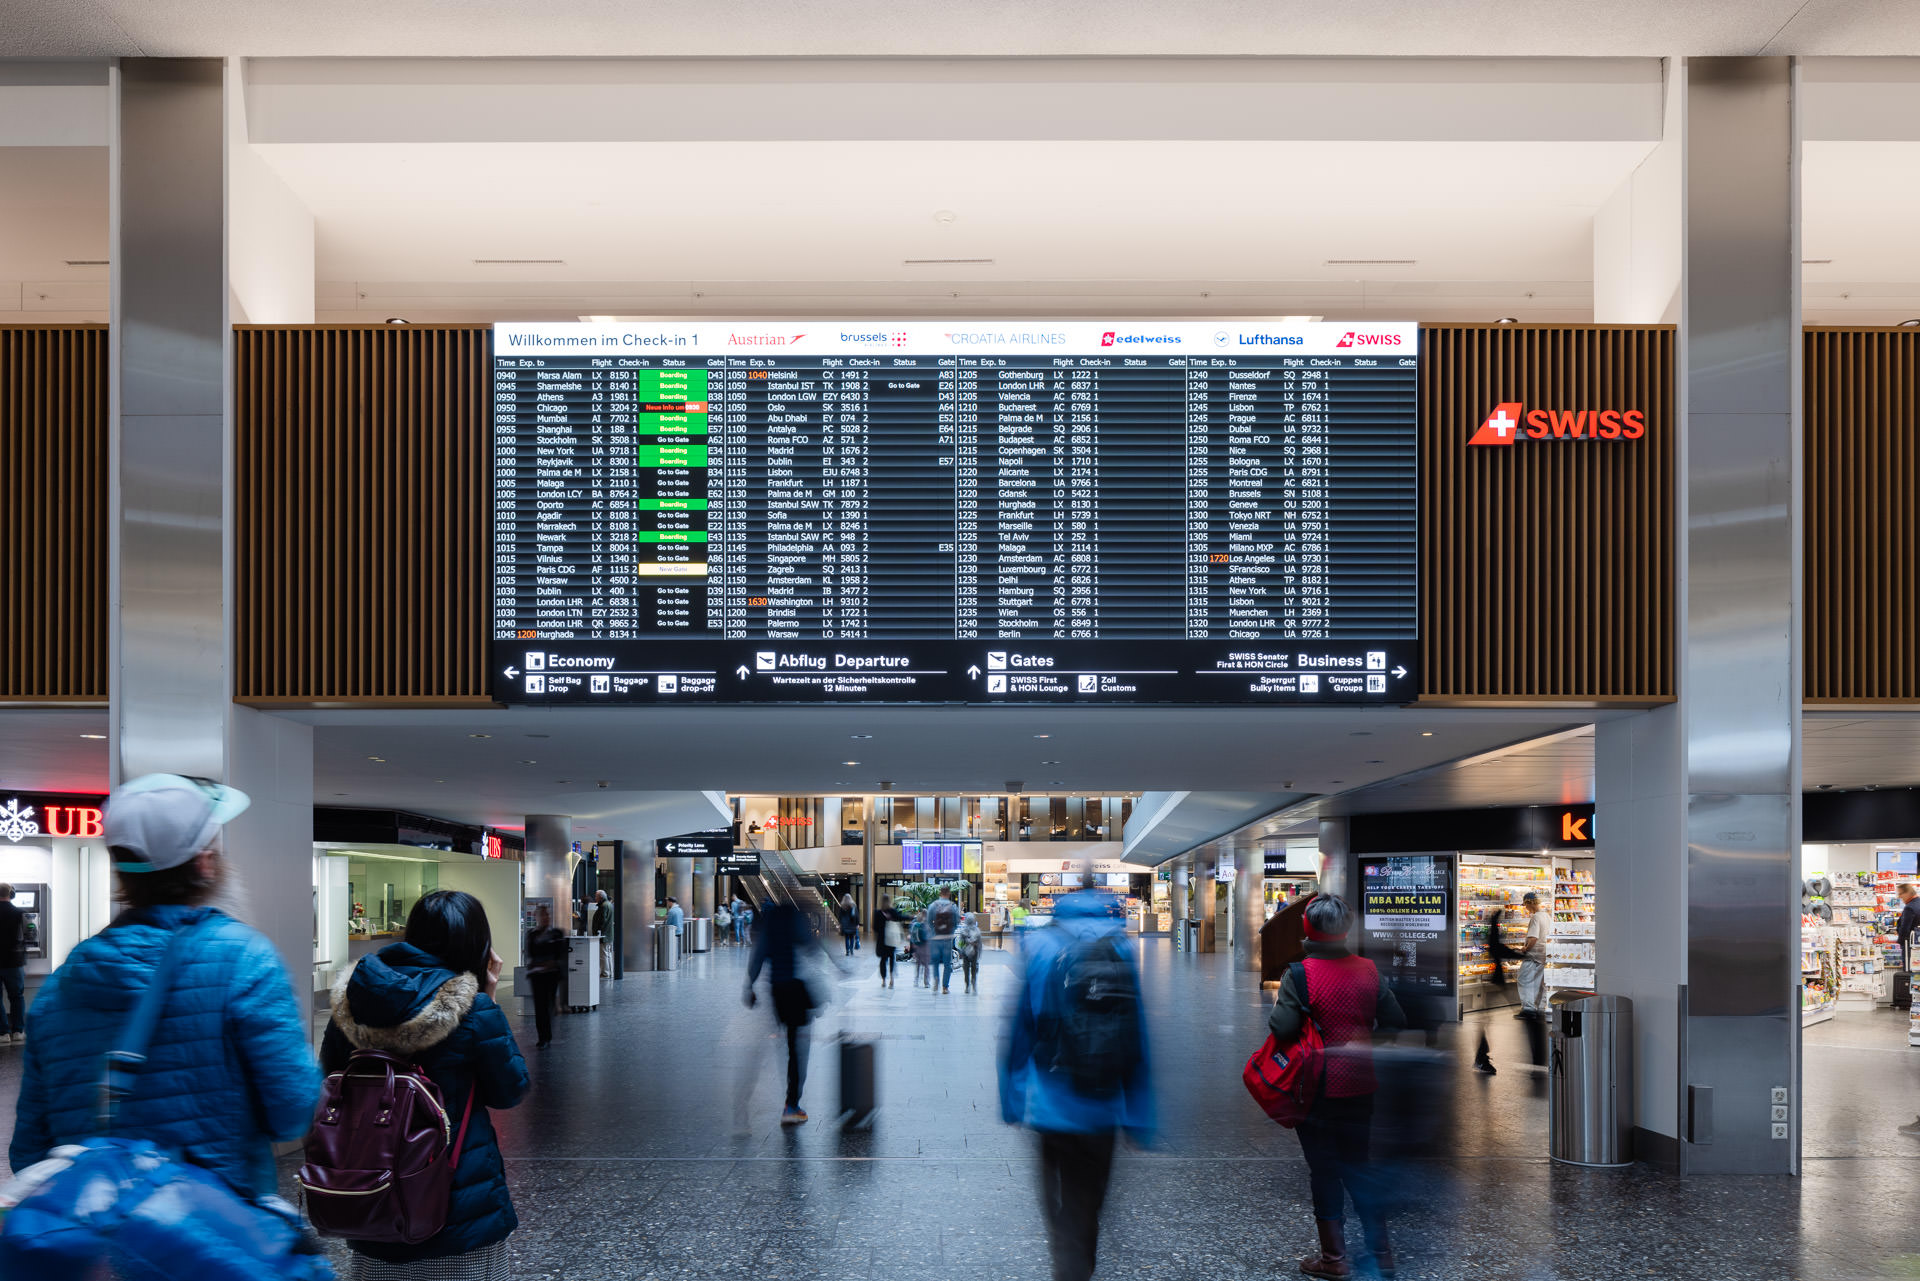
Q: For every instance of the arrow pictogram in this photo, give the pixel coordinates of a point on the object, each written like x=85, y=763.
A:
x=973, y=673
x=1399, y=671
x=741, y=671
x=512, y=672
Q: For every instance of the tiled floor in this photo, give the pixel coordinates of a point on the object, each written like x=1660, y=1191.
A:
x=634, y=1159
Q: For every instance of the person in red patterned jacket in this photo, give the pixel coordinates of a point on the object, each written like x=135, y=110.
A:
x=1350, y=1001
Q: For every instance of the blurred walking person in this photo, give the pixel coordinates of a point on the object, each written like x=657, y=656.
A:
x=922, y=950
x=781, y=934
x=849, y=922
x=13, y=968
x=889, y=932
x=430, y=1000
x=1499, y=953
x=943, y=921
x=966, y=946
x=546, y=950
x=238, y=1074
x=1076, y=1069
x=1349, y=1000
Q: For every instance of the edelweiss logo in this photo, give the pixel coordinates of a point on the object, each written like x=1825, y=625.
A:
x=1106, y=339
x=1502, y=425
x=1111, y=339
x=762, y=340
x=17, y=822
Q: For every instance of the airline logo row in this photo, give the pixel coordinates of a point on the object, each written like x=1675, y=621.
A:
x=1071, y=338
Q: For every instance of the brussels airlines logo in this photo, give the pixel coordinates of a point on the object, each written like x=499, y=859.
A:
x=1510, y=419
x=1354, y=338
x=895, y=338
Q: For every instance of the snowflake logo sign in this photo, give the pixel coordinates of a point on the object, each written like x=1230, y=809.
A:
x=17, y=823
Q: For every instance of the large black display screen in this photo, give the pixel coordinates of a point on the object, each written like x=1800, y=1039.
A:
x=1193, y=512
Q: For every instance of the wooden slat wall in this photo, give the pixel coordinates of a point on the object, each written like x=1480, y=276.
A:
x=1862, y=533
x=361, y=504
x=53, y=512
x=1547, y=567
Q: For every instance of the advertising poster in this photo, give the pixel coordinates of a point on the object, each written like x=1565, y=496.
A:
x=1406, y=923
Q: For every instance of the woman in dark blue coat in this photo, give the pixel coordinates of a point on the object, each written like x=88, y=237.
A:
x=430, y=999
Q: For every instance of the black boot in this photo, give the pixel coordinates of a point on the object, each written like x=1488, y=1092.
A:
x=1332, y=1261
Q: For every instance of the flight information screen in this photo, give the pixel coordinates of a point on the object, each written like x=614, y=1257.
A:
x=1194, y=511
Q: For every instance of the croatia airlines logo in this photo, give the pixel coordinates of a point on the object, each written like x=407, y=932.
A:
x=1502, y=425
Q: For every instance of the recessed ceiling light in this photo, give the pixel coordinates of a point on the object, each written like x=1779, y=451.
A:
x=529, y=762
x=85, y=262
x=562, y=780
x=1815, y=262
x=1049, y=762
x=1363, y=733
x=479, y=736
x=439, y=780
x=1058, y=782
x=381, y=759
x=860, y=736
x=849, y=762
x=945, y=216
x=539, y=736
x=93, y=736
x=1376, y=762
x=339, y=793
x=1426, y=733
x=1043, y=736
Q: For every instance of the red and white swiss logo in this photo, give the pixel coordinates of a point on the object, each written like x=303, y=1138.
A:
x=1502, y=425
x=1360, y=338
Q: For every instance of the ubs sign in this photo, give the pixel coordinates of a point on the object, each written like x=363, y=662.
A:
x=25, y=815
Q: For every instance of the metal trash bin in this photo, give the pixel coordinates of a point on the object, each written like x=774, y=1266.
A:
x=1590, y=1079
x=699, y=935
x=666, y=947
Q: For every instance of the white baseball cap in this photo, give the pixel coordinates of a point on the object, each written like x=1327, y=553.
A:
x=165, y=819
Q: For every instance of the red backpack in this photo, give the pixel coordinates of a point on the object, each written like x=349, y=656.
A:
x=1286, y=1080
x=381, y=1156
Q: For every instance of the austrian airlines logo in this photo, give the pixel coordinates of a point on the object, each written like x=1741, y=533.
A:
x=1502, y=425
x=762, y=340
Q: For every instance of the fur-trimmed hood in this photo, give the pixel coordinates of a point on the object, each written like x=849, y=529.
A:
x=401, y=1001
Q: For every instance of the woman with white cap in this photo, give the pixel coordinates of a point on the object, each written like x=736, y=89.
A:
x=229, y=1070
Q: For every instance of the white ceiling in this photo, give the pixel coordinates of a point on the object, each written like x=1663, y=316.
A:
x=483, y=28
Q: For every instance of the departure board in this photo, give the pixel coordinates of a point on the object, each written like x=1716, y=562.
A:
x=1025, y=511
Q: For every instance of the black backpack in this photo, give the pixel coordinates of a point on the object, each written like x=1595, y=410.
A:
x=1090, y=1026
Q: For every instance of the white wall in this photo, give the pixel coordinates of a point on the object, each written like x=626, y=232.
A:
x=269, y=231
x=496, y=883
x=1637, y=236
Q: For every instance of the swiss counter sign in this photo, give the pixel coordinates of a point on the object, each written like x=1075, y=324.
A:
x=1011, y=512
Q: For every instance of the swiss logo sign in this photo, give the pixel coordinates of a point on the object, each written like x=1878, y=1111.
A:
x=1510, y=420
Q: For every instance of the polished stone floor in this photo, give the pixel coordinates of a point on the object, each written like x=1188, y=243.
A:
x=636, y=1158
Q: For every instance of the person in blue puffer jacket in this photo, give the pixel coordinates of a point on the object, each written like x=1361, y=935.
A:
x=229, y=1070
x=1075, y=1067
x=431, y=1000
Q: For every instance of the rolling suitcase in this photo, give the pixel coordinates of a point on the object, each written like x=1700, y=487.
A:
x=857, y=1101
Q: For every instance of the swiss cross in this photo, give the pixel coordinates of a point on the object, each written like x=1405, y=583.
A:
x=1502, y=426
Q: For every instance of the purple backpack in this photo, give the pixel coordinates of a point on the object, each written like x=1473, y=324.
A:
x=381, y=1157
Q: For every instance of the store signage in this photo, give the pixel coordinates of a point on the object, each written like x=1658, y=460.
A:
x=1406, y=922
x=28, y=814
x=774, y=820
x=496, y=848
x=1511, y=419
x=1517, y=828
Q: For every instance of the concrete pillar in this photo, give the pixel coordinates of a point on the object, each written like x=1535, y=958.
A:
x=1182, y=869
x=1336, y=860
x=170, y=386
x=703, y=888
x=1205, y=900
x=637, y=904
x=1248, y=909
x=1699, y=803
x=680, y=882
x=549, y=840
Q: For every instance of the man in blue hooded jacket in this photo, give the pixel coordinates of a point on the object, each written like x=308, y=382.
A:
x=229, y=1070
x=1078, y=1096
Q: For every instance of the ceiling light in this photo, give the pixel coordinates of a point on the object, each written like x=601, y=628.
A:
x=945, y=216
x=86, y=262
x=1371, y=262
x=562, y=780
x=1043, y=736
x=1507, y=320
x=495, y=262
x=1049, y=762
x=381, y=759
x=398, y=320
x=539, y=736
x=946, y=262
x=93, y=736
x=439, y=780
x=529, y=762
x=1426, y=733
x=1815, y=262
x=849, y=762
x=1363, y=733
x=339, y=793
x=859, y=736
x=1376, y=762
x=1907, y=324
x=479, y=736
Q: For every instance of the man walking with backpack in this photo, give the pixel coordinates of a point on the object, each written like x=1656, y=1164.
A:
x=1076, y=1069
x=943, y=922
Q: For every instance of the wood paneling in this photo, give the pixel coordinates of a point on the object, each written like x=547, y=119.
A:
x=53, y=512
x=360, y=513
x=1547, y=566
x=1862, y=532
